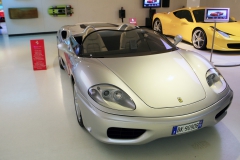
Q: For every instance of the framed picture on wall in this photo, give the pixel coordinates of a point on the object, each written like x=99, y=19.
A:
x=23, y=13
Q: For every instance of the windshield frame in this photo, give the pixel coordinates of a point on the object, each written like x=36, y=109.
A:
x=110, y=53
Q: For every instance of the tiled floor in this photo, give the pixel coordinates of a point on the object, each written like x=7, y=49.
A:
x=38, y=122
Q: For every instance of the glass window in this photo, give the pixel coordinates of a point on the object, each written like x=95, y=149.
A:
x=178, y=14
x=199, y=15
x=125, y=43
x=75, y=45
x=184, y=14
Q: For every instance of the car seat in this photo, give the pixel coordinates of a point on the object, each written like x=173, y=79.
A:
x=92, y=42
x=129, y=38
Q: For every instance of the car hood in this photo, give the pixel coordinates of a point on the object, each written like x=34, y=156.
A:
x=161, y=80
x=231, y=28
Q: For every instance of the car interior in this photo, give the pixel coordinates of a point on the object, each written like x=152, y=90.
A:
x=94, y=42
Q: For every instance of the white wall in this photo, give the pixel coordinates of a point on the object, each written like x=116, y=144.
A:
x=234, y=6
x=193, y=3
x=209, y=3
x=174, y=4
x=84, y=11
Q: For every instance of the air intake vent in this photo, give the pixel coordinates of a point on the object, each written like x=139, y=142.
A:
x=221, y=113
x=124, y=133
x=234, y=45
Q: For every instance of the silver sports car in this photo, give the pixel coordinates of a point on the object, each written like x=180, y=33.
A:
x=132, y=85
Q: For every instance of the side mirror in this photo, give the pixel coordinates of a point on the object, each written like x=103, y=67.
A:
x=233, y=18
x=184, y=21
x=64, y=47
x=177, y=39
x=64, y=34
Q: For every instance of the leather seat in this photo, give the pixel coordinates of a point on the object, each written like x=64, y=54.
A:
x=129, y=39
x=93, y=42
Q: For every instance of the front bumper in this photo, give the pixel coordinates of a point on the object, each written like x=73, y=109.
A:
x=225, y=44
x=98, y=122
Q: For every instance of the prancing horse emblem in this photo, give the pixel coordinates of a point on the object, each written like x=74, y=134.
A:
x=180, y=99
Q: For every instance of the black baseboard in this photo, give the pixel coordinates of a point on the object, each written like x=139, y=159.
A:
x=27, y=34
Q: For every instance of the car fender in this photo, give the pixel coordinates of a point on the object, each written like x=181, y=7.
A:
x=200, y=66
x=88, y=72
x=165, y=20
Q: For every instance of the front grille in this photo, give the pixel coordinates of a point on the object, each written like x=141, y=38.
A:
x=234, y=45
x=124, y=133
x=224, y=110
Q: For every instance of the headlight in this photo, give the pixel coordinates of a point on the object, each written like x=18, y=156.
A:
x=111, y=97
x=215, y=80
x=223, y=34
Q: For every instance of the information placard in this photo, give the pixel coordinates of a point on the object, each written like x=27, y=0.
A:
x=1, y=14
x=216, y=15
x=133, y=21
x=38, y=54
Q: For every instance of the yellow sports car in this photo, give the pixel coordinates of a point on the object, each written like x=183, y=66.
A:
x=189, y=22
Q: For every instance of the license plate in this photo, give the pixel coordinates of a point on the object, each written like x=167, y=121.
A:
x=187, y=127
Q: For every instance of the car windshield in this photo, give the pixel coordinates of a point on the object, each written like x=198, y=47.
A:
x=199, y=16
x=124, y=43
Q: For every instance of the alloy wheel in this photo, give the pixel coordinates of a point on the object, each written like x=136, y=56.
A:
x=199, y=39
x=157, y=26
x=77, y=106
x=61, y=63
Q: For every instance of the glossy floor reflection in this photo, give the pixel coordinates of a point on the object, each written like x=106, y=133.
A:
x=37, y=116
x=3, y=28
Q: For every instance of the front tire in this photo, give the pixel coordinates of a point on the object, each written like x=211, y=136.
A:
x=157, y=25
x=199, y=39
x=77, y=106
x=60, y=61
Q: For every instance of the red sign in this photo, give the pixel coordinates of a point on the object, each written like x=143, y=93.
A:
x=1, y=14
x=38, y=54
x=133, y=21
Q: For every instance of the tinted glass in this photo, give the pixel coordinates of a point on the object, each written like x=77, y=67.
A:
x=184, y=14
x=119, y=43
x=199, y=15
x=75, y=45
x=178, y=14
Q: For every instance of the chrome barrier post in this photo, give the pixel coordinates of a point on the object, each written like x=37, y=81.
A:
x=213, y=40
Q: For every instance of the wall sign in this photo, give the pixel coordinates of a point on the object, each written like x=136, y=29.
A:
x=2, y=18
x=1, y=13
x=38, y=54
x=216, y=15
x=133, y=21
x=23, y=13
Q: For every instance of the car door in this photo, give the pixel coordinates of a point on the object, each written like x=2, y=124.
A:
x=62, y=37
x=183, y=24
x=74, y=49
